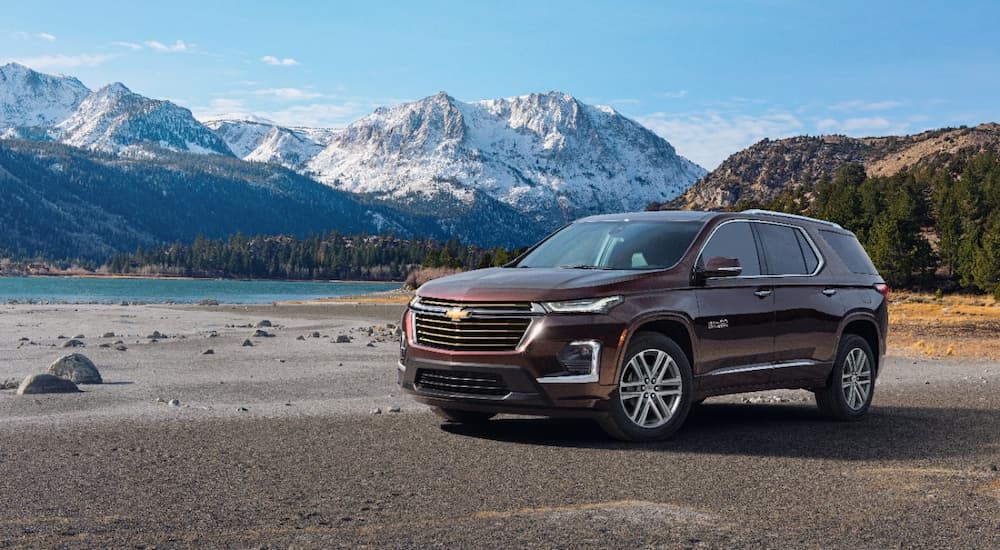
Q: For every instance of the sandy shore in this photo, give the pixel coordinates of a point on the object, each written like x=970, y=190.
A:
x=278, y=376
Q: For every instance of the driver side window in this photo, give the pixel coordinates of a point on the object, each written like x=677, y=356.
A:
x=734, y=240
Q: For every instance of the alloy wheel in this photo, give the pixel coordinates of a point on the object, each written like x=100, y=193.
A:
x=857, y=378
x=650, y=388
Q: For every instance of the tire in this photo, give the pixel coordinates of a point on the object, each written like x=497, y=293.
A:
x=463, y=417
x=848, y=395
x=650, y=411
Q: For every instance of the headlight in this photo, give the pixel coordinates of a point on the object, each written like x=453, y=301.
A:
x=414, y=301
x=591, y=305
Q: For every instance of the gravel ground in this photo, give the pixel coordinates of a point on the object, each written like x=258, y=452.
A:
x=305, y=465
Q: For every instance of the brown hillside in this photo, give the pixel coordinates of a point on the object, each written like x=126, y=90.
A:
x=763, y=170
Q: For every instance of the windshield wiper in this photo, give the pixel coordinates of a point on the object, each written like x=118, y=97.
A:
x=581, y=266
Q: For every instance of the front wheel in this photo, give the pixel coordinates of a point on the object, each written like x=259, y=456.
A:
x=852, y=382
x=654, y=391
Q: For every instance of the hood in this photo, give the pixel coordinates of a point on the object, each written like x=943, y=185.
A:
x=529, y=284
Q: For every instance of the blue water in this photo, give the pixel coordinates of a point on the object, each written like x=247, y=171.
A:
x=112, y=291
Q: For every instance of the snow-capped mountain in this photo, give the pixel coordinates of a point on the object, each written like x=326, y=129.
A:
x=114, y=119
x=547, y=155
x=261, y=140
x=32, y=102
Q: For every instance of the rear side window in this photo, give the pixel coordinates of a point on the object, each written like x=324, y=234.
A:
x=850, y=251
x=786, y=251
x=734, y=240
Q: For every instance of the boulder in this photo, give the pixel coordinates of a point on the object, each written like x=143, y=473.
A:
x=343, y=339
x=264, y=324
x=46, y=383
x=74, y=343
x=247, y=344
x=77, y=368
x=262, y=334
x=108, y=335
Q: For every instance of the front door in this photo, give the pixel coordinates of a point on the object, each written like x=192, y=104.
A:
x=735, y=321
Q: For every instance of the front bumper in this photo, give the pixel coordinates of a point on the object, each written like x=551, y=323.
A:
x=524, y=381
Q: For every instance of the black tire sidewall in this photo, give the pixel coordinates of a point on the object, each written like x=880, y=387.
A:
x=621, y=423
x=835, y=389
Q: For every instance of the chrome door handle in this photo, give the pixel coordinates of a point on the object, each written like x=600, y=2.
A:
x=829, y=291
x=763, y=293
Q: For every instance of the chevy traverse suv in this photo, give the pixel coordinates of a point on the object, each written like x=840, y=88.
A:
x=633, y=318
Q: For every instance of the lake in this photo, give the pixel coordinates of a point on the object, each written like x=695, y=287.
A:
x=116, y=290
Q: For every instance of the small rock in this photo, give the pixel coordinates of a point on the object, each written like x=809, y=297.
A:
x=994, y=468
x=395, y=409
x=46, y=383
x=74, y=343
x=343, y=339
x=208, y=352
x=104, y=345
x=77, y=368
x=174, y=403
x=262, y=334
x=315, y=335
x=160, y=400
x=376, y=410
x=301, y=337
x=213, y=334
x=60, y=337
x=24, y=339
x=119, y=343
x=80, y=336
x=156, y=335
x=121, y=347
x=108, y=335
x=281, y=360
x=370, y=345
x=247, y=344
x=264, y=324
x=340, y=364
x=242, y=409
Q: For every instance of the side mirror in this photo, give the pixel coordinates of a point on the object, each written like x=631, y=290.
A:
x=717, y=266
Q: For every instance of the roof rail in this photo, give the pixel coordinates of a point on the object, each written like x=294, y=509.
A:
x=758, y=211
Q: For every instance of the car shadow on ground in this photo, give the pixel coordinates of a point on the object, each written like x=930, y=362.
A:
x=887, y=433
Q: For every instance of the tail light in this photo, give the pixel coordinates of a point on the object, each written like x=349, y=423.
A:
x=883, y=289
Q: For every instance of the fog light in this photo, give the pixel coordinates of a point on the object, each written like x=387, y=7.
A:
x=581, y=357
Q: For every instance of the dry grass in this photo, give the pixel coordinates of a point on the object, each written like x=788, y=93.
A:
x=951, y=326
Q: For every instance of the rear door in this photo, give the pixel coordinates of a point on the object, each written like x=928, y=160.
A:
x=807, y=311
x=735, y=319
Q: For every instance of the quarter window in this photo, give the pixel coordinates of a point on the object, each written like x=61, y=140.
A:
x=734, y=240
x=786, y=251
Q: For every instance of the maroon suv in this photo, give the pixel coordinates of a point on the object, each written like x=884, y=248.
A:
x=633, y=318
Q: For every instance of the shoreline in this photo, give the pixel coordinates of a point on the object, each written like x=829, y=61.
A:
x=181, y=278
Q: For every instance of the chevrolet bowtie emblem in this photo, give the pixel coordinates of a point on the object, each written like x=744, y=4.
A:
x=456, y=314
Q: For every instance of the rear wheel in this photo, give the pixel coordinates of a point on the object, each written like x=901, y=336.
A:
x=463, y=417
x=852, y=382
x=654, y=391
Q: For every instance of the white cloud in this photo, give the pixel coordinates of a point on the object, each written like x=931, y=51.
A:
x=860, y=105
x=178, y=46
x=61, y=61
x=709, y=137
x=675, y=94
x=288, y=94
x=130, y=45
x=21, y=35
x=277, y=61
x=318, y=115
x=46, y=36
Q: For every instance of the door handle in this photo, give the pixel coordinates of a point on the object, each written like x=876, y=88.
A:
x=763, y=293
x=829, y=291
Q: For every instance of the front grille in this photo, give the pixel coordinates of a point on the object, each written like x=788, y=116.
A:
x=471, y=334
x=488, y=326
x=452, y=382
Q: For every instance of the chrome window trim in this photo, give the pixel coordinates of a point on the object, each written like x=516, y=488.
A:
x=819, y=266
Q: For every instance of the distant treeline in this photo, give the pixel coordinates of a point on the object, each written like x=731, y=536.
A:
x=936, y=226
x=328, y=256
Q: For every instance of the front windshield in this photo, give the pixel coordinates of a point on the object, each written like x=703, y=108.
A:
x=615, y=245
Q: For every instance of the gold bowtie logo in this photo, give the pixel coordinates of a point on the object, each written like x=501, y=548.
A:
x=456, y=314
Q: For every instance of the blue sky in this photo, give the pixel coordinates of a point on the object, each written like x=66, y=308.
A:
x=711, y=77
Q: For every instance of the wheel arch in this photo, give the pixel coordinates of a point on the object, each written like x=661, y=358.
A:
x=866, y=327
x=673, y=326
